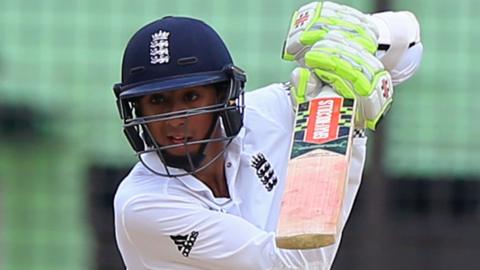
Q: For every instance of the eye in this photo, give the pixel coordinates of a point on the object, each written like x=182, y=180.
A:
x=157, y=99
x=192, y=96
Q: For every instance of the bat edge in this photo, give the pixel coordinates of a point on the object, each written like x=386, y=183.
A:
x=305, y=241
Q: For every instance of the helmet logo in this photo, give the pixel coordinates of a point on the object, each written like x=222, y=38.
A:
x=159, y=53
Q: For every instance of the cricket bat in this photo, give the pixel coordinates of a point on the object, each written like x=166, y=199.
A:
x=317, y=172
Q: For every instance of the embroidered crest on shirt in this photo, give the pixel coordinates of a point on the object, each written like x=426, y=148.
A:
x=265, y=172
x=185, y=242
x=159, y=53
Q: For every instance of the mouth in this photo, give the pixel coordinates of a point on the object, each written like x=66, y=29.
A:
x=178, y=139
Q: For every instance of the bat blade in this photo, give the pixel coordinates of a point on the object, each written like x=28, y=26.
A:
x=317, y=173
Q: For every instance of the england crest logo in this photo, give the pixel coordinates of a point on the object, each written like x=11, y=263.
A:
x=159, y=53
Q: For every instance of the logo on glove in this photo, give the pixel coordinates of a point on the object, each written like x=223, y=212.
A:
x=302, y=19
x=385, y=88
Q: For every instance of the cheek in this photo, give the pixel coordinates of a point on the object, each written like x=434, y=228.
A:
x=155, y=129
x=200, y=124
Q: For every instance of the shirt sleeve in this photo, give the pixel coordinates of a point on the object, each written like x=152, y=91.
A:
x=274, y=103
x=172, y=232
x=402, y=50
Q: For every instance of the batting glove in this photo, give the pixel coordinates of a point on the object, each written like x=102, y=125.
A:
x=394, y=37
x=312, y=22
x=351, y=70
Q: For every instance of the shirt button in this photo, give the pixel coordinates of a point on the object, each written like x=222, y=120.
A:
x=229, y=164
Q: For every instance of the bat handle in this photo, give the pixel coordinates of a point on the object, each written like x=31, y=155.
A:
x=327, y=91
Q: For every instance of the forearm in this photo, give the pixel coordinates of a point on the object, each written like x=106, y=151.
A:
x=399, y=44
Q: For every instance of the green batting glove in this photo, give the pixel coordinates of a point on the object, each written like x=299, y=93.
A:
x=352, y=71
x=305, y=85
x=314, y=21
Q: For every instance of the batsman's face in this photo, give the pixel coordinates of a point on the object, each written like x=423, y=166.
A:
x=183, y=129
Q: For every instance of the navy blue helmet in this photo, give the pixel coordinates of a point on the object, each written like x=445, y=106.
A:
x=177, y=53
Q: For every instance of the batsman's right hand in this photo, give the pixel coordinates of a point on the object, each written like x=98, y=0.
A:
x=352, y=71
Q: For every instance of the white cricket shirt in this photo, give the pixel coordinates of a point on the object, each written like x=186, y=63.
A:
x=177, y=223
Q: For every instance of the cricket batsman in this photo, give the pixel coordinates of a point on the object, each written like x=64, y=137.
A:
x=206, y=191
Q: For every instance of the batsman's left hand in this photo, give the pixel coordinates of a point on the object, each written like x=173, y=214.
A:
x=352, y=71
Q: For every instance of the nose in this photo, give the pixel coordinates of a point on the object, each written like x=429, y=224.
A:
x=179, y=121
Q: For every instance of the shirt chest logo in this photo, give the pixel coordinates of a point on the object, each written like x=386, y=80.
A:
x=264, y=171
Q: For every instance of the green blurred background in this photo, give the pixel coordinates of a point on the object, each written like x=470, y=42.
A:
x=61, y=139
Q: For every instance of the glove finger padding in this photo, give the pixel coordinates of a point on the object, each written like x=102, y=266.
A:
x=305, y=85
x=354, y=73
x=314, y=21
